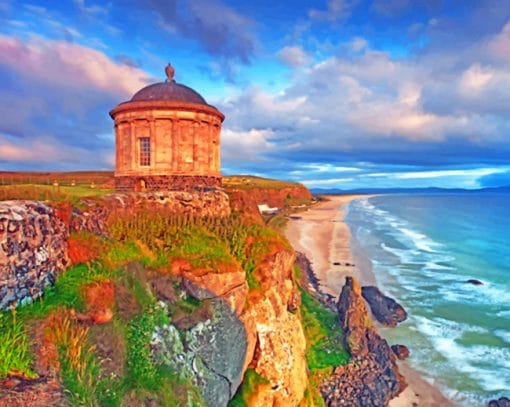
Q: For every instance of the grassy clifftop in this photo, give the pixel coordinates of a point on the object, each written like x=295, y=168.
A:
x=125, y=324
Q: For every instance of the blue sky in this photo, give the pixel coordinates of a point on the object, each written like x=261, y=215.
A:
x=334, y=93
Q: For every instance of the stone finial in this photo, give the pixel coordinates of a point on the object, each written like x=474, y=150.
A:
x=170, y=71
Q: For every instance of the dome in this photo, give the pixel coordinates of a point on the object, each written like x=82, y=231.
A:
x=169, y=91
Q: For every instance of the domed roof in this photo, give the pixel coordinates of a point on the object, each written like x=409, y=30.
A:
x=169, y=90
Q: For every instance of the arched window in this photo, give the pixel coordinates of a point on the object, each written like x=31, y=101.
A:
x=145, y=151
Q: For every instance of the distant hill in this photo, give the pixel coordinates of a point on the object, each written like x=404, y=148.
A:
x=336, y=191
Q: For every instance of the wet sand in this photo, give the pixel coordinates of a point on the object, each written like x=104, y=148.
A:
x=322, y=235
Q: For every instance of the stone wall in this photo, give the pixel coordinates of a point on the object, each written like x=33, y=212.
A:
x=198, y=203
x=165, y=182
x=33, y=236
x=33, y=250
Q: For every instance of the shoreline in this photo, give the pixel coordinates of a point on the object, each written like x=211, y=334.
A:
x=324, y=238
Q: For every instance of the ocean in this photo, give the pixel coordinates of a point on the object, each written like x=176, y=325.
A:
x=422, y=250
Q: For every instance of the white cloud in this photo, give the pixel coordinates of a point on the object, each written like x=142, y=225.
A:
x=293, y=56
x=70, y=65
x=358, y=44
x=245, y=145
x=336, y=10
x=475, y=78
x=467, y=173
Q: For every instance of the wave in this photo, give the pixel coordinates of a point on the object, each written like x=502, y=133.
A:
x=480, y=362
x=428, y=277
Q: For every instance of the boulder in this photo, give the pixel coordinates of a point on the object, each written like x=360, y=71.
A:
x=501, y=402
x=210, y=354
x=385, y=309
x=401, y=351
x=473, y=282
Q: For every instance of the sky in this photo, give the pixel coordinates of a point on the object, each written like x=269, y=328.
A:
x=333, y=93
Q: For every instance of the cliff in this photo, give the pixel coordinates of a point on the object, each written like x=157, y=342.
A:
x=165, y=299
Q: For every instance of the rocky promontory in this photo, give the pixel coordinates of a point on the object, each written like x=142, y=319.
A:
x=372, y=377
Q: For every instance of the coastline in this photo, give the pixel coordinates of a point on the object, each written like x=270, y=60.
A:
x=324, y=238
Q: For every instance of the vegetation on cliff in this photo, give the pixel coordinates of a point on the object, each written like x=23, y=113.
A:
x=105, y=330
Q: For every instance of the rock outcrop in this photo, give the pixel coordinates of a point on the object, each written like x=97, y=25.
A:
x=256, y=330
x=474, y=281
x=501, y=402
x=33, y=250
x=276, y=341
x=400, y=351
x=385, y=309
x=210, y=353
x=372, y=377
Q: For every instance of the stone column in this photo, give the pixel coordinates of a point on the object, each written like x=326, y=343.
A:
x=196, y=141
x=133, y=145
x=152, y=131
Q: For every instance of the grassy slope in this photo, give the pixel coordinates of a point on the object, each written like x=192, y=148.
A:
x=154, y=239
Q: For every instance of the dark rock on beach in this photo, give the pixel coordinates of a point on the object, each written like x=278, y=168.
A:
x=473, y=281
x=501, y=402
x=401, y=351
x=385, y=309
x=372, y=377
x=312, y=283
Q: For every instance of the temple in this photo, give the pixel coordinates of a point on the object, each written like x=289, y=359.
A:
x=167, y=138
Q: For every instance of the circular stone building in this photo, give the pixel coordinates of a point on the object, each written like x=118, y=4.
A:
x=167, y=137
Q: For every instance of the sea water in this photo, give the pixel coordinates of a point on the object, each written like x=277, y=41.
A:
x=423, y=249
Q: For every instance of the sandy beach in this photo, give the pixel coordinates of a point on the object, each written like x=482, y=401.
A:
x=322, y=235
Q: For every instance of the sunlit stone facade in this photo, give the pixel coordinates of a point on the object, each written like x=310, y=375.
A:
x=167, y=137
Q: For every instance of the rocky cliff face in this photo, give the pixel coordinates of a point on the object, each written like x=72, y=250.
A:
x=33, y=250
x=257, y=327
x=274, y=338
x=372, y=377
x=276, y=342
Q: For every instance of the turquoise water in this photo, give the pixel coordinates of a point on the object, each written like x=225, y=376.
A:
x=422, y=250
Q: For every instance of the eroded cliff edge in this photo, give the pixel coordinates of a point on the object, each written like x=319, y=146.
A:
x=176, y=299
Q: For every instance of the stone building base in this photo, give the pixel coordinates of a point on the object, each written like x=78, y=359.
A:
x=165, y=183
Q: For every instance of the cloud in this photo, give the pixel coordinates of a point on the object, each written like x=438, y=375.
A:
x=498, y=179
x=90, y=10
x=242, y=146
x=397, y=8
x=63, y=64
x=55, y=98
x=337, y=10
x=293, y=56
x=358, y=44
x=435, y=108
x=499, y=45
x=222, y=32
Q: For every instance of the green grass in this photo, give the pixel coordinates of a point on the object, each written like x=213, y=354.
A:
x=248, y=182
x=15, y=356
x=67, y=290
x=142, y=373
x=201, y=248
x=52, y=193
x=252, y=380
x=324, y=335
